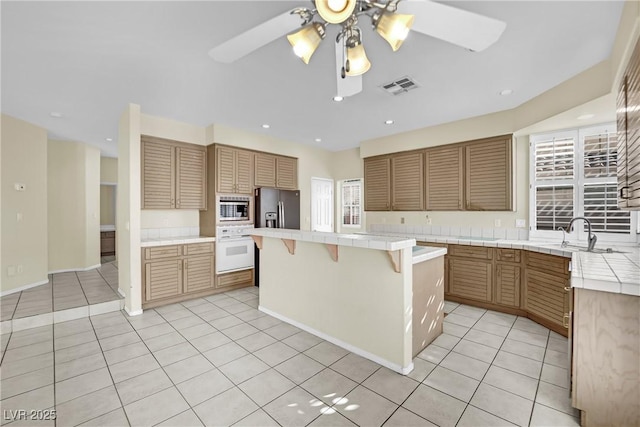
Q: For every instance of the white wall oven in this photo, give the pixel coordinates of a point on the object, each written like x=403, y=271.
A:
x=234, y=248
x=233, y=209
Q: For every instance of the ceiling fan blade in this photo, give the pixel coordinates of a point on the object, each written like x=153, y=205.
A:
x=256, y=37
x=460, y=27
x=350, y=85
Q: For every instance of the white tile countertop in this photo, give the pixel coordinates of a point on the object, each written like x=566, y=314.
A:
x=177, y=240
x=368, y=241
x=617, y=272
x=425, y=253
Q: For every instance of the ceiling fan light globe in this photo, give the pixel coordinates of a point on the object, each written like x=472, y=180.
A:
x=335, y=11
x=358, y=61
x=394, y=28
x=306, y=40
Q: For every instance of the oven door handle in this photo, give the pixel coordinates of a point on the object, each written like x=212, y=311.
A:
x=233, y=239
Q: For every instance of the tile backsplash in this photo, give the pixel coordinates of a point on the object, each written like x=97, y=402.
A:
x=453, y=231
x=158, y=233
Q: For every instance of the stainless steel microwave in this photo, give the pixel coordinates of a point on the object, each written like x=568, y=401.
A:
x=234, y=208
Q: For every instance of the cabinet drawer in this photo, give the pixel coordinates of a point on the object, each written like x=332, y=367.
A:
x=508, y=255
x=548, y=263
x=198, y=248
x=478, y=252
x=159, y=252
x=235, y=278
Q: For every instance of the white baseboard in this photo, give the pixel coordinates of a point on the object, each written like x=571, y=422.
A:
x=24, y=288
x=70, y=270
x=404, y=370
x=134, y=312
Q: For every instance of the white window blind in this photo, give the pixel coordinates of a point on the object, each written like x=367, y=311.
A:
x=351, y=202
x=573, y=173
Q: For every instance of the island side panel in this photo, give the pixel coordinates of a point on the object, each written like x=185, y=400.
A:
x=358, y=300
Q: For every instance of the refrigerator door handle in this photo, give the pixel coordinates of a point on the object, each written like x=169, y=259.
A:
x=279, y=220
x=284, y=225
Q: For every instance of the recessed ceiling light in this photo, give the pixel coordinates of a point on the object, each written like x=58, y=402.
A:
x=586, y=116
x=388, y=122
x=338, y=98
x=55, y=114
x=108, y=139
x=506, y=92
x=266, y=126
x=318, y=139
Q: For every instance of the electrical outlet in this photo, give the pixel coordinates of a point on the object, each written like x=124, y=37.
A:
x=521, y=223
x=18, y=217
x=11, y=271
x=402, y=220
x=497, y=223
x=428, y=221
x=19, y=270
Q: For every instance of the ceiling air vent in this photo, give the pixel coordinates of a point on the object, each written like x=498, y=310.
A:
x=400, y=86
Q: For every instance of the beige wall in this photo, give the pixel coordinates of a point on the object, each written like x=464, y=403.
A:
x=24, y=242
x=108, y=170
x=128, y=212
x=312, y=162
x=74, y=205
x=107, y=205
x=358, y=300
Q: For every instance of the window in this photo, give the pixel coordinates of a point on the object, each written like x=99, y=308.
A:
x=351, y=202
x=573, y=173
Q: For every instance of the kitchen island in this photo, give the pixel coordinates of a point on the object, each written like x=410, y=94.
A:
x=356, y=291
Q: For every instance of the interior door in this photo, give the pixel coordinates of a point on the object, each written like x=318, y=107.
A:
x=321, y=204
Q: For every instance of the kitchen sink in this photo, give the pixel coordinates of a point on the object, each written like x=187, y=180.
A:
x=577, y=248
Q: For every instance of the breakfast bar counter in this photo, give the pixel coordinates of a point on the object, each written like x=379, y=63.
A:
x=356, y=291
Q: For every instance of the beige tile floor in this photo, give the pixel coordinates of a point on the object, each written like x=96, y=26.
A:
x=64, y=291
x=219, y=361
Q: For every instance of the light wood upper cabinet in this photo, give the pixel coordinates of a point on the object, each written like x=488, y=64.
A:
x=407, y=180
x=444, y=178
x=191, y=177
x=234, y=171
x=275, y=171
x=377, y=184
x=265, y=170
x=173, y=175
x=628, y=124
x=287, y=173
x=488, y=175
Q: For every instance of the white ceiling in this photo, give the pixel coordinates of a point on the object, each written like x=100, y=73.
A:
x=88, y=60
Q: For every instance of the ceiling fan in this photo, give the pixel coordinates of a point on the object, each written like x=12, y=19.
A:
x=460, y=27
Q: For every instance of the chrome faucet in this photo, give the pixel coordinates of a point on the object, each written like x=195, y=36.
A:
x=591, y=239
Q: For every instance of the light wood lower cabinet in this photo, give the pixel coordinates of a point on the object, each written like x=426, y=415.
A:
x=606, y=358
x=244, y=277
x=470, y=279
x=513, y=281
x=107, y=243
x=176, y=272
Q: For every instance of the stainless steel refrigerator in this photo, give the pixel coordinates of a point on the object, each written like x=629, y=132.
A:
x=277, y=209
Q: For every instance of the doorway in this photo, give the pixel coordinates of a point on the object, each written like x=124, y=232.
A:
x=321, y=204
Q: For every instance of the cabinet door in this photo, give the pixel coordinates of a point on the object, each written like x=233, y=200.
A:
x=198, y=273
x=407, y=180
x=488, y=176
x=265, y=170
x=243, y=172
x=235, y=278
x=162, y=279
x=158, y=175
x=191, y=178
x=377, y=188
x=287, y=173
x=470, y=279
x=544, y=295
x=632, y=158
x=444, y=179
x=508, y=284
x=225, y=170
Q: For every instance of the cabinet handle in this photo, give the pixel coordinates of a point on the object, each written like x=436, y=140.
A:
x=185, y=264
x=179, y=266
x=567, y=288
x=178, y=201
x=173, y=202
x=565, y=321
